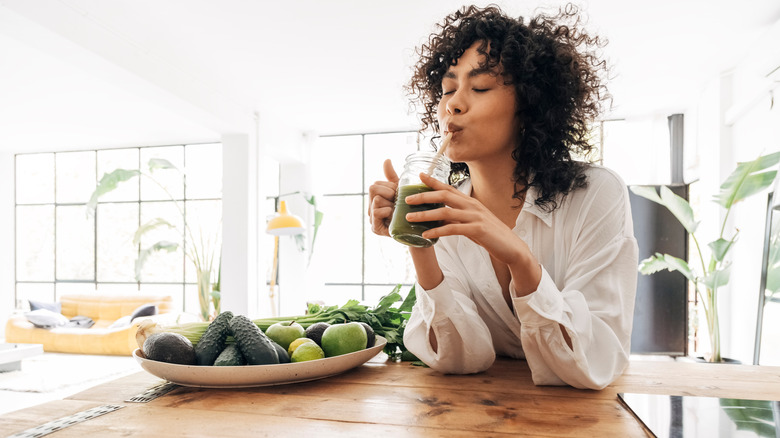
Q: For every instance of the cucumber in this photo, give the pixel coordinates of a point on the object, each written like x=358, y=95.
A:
x=213, y=340
x=257, y=348
x=284, y=357
x=230, y=356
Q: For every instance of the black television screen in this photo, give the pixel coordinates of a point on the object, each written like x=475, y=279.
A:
x=661, y=308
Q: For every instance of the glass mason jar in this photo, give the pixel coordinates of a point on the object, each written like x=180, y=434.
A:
x=410, y=233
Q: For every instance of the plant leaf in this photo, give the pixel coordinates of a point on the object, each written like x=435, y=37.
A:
x=647, y=192
x=680, y=208
x=160, y=163
x=717, y=278
x=109, y=182
x=747, y=179
x=659, y=262
x=720, y=248
x=409, y=301
x=162, y=245
x=151, y=225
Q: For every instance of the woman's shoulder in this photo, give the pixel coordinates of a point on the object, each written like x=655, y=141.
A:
x=601, y=182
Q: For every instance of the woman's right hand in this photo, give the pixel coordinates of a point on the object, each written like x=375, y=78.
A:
x=381, y=201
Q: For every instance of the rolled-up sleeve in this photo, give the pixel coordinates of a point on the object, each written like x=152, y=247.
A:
x=594, y=303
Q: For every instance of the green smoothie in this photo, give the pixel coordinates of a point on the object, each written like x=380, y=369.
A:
x=410, y=233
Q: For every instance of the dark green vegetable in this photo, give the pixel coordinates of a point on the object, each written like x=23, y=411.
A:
x=213, y=340
x=230, y=356
x=257, y=348
x=284, y=357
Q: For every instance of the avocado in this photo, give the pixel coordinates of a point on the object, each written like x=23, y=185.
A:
x=169, y=347
x=369, y=334
x=315, y=331
x=284, y=357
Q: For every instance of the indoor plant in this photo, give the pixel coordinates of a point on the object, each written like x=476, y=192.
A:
x=747, y=179
x=203, y=252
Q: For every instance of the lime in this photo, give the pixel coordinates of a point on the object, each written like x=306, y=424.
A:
x=294, y=344
x=307, y=351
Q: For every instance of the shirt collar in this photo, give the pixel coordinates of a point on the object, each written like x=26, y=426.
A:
x=529, y=205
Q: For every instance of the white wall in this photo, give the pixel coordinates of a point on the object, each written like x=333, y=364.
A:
x=7, y=210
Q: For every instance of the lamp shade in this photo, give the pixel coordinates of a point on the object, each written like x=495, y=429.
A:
x=284, y=223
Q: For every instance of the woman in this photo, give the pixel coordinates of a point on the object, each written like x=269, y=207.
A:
x=536, y=257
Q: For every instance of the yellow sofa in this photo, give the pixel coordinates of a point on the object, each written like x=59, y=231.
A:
x=100, y=338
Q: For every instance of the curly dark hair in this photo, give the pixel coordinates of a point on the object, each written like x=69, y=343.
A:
x=559, y=86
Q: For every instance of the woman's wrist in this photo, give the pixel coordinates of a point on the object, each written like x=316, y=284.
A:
x=526, y=274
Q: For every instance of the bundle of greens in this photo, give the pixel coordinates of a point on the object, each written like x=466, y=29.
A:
x=386, y=320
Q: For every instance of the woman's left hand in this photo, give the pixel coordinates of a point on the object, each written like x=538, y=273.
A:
x=466, y=216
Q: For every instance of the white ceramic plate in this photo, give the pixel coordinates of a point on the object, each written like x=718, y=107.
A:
x=257, y=375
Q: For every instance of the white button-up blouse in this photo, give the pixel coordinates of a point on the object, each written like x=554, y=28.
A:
x=588, y=254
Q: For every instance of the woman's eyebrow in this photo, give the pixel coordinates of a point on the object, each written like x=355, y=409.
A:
x=472, y=73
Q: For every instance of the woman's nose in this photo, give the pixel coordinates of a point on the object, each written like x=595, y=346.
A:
x=456, y=105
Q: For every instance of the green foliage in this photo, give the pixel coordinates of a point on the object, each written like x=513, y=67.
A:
x=746, y=180
x=200, y=252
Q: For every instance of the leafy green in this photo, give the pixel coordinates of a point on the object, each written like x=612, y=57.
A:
x=108, y=183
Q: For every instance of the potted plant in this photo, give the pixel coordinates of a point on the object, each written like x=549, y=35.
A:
x=203, y=252
x=747, y=179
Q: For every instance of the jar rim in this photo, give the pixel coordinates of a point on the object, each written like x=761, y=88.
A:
x=427, y=155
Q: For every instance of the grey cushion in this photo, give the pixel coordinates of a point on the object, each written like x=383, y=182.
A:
x=144, y=310
x=121, y=322
x=44, y=318
x=81, y=321
x=55, y=307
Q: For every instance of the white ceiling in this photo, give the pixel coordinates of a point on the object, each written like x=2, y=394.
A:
x=92, y=73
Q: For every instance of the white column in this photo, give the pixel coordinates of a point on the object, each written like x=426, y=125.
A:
x=7, y=220
x=239, y=224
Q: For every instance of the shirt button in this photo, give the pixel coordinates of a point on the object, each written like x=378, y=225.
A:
x=523, y=233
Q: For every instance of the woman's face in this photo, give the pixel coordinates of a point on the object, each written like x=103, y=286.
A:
x=479, y=109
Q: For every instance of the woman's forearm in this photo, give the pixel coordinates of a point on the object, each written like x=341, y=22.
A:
x=429, y=273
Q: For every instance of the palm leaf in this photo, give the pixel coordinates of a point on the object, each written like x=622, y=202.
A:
x=677, y=205
x=149, y=226
x=717, y=278
x=659, y=262
x=162, y=245
x=747, y=179
x=108, y=183
x=160, y=163
x=721, y=247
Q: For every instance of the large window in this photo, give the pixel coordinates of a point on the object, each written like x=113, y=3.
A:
x=363, y=266
x=61, y=249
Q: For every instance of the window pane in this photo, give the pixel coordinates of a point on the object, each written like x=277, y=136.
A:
x=74, y=289
x=171, y=179
x=386, y=260
x=33, y=291
x=204, y=171
x=75, y=176
x=336, y=164
x=339, y=295
x=191, y=301
x=204, y=220
x=380, y=147
x=75, y=244
x=117, y=289
x=174, y=290
x=339, y=240
x=34, y=178
x=35, y=243
x=162, y=266
x=112, y=159
x=116, y=254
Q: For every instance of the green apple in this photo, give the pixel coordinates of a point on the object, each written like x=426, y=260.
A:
x=285, y=332
x=345, y=338
x=307, y=351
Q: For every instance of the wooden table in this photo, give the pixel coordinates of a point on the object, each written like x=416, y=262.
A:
x=381, y=398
